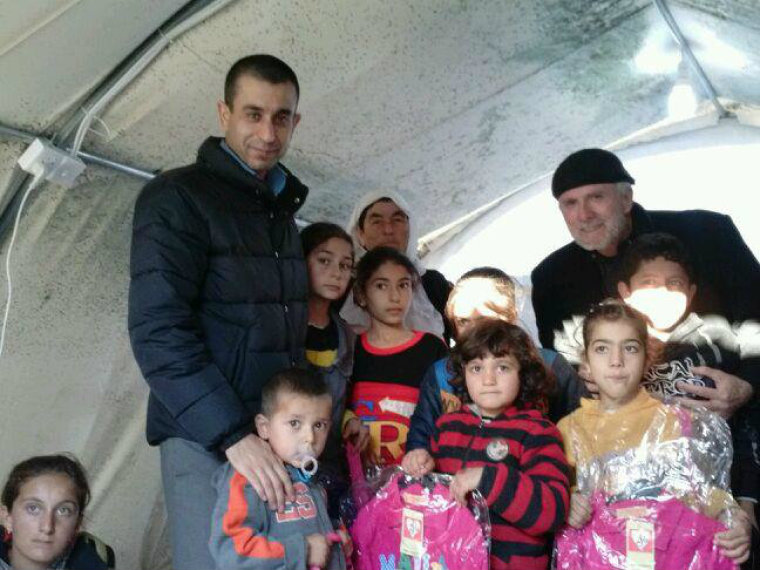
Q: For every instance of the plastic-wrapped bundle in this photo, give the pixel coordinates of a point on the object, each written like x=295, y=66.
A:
x=657, y=478
x=410, y=523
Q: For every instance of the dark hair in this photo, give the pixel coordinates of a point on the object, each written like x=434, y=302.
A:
x=363, y=215
x=611, y=311
x=262, y=66
x=503, y=284
x=500, y=338
x=293, y=381
x=318, y=233
x=647, y=247
x=59, y=464
x=372, y=261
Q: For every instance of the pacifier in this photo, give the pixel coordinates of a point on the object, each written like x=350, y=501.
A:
x=309, y=466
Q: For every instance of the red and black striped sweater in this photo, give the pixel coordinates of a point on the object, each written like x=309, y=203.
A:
x=525, y=478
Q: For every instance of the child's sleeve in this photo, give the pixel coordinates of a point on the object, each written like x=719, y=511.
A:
x=565, y=428
x=241, y=530
x=569, y=389
x=532, y=495
x=428, y=409
x=441, y=349
x=565, y=431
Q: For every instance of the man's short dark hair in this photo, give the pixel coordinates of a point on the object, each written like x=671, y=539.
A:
x=650, y=246
x=261, y=66
x=292, y=381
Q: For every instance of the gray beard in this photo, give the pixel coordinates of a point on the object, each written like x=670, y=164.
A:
x=615, y=230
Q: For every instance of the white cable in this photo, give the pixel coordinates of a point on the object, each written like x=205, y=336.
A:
x=137, y=67
x=35, y=182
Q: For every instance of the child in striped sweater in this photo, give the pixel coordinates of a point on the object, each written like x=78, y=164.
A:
x=501, y=444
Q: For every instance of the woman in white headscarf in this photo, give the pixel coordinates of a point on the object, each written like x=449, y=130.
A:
x=383, y=218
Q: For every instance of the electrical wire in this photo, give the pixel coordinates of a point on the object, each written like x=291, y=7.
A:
x=163, y=40
x=38, y=177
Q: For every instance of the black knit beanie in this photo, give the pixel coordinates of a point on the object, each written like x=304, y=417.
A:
x=588, y=166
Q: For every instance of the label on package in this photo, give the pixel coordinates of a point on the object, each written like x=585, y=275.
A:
x=412, y=532
x=639, y=542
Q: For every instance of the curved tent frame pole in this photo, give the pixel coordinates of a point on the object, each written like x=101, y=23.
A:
x=192, y=14
x=78, y=125
x=683, y=43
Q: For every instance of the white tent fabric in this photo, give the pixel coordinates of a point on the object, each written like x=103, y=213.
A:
x=456, y=104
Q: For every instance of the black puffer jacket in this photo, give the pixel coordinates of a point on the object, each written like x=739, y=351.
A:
x=218, y=296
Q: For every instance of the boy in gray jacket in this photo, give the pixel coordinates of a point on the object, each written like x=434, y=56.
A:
x=295, y=419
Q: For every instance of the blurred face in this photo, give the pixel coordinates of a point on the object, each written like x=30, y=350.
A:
x=478, y=298
x=44, y=520
x=616, y=359
x=330, y=265
x=388, y=294
x=597, y=216
x=298, y=428
x=385, y=224
x=493, y=382
x=260, y=123
x=660, y=289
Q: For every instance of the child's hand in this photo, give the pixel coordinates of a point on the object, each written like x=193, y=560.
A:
x=418, y=462
x=734, y=543
x=317, y=550
x=357, y=432
x=465, y=481
x=580, y=510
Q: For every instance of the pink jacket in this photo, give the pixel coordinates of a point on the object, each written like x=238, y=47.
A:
x=681, y=538
x=449, y=536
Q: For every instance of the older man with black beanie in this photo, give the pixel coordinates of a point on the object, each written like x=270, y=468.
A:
x=595, y=196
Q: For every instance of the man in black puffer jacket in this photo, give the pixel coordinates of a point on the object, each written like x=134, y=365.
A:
x=218, y=299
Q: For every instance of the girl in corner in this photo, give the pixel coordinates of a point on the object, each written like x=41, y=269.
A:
x=390, y=360
x=43, y=504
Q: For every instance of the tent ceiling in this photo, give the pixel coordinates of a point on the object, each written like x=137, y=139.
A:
x=52, y=53
x=453, y=103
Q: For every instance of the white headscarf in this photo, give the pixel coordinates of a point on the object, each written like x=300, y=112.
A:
x=422, y=315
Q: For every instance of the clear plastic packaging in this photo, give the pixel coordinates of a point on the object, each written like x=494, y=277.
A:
x=659, y=490
x=406, y=523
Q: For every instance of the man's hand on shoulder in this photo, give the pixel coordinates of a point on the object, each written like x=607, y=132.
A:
x=730, y=392
x=254, y=459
